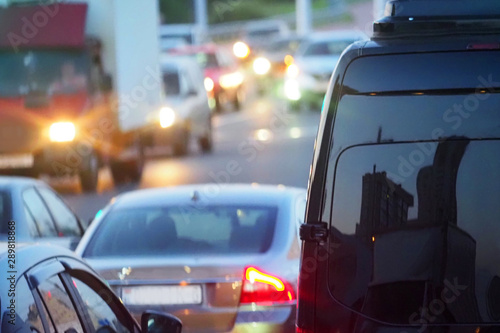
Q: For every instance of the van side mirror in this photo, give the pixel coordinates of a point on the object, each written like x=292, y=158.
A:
x=159, y=322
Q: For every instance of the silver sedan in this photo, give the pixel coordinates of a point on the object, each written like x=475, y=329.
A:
x=222, y=258
x=38, y=213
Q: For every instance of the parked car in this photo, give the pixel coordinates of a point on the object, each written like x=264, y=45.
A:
x=402, y=228
x=50, y=289
x=223, y=77
x=308, y=76
x=187, y=114
x=222, y=258
x=38, y=211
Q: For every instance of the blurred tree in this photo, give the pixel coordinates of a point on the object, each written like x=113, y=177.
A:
x=182, y=11
x=177, y=11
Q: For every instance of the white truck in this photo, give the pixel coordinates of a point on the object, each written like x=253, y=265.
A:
x=177, y=35
x=79, y=79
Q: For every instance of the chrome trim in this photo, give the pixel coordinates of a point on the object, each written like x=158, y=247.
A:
x=134, y=282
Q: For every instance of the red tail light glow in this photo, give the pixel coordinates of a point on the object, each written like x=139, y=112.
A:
x=262, y=288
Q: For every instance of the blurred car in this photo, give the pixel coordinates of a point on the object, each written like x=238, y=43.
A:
x=272, y=60
x=222, y=258
x=39, y=213
x=308, y=76
x=223, y=77
x=187, y=113
x=169, y=43
x=176, y=35
x=50, y=289
x=258, y=34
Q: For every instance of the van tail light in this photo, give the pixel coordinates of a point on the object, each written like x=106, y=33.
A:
x=264, y=289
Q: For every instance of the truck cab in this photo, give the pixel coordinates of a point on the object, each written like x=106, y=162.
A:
x=67, y=101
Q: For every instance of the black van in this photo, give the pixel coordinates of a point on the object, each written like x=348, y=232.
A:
x=402, y=229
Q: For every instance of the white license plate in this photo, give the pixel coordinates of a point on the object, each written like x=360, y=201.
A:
x=16, y=161
x=162, y=295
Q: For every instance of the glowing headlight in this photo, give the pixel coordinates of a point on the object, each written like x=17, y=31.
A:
x=62, y=132
x=209, y=84
x=231, y=80
x=261, y=66
x=292, y=71
x=292, y=91
x=167, y=117
x=241, y=50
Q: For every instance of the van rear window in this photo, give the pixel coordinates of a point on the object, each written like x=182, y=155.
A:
x=423, y=72
x=416, y=226
x=415, y=210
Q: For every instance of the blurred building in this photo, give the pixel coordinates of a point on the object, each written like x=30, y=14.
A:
x=437, y=183
x=384, y=205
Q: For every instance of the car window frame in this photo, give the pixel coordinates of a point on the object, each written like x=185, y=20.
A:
x=65, y=269
x=80, y=271
x=43, y=271
x=45, y=319
x=76, y=304
x=78, y=221
x=92, y=282
x=33, y=187
x=30, y=220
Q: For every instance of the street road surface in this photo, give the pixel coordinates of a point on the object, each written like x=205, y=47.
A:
x=262, y=143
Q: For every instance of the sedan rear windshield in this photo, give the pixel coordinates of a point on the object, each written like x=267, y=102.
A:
x=184, y=230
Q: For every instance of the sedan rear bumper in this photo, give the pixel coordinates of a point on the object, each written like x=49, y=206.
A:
x=278, y=318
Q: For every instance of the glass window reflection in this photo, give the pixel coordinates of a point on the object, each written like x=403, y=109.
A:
x=408, y=235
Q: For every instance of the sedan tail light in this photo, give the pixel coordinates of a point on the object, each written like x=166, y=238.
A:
x=264, y=289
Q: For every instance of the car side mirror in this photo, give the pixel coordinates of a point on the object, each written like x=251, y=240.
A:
x=159, y=322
